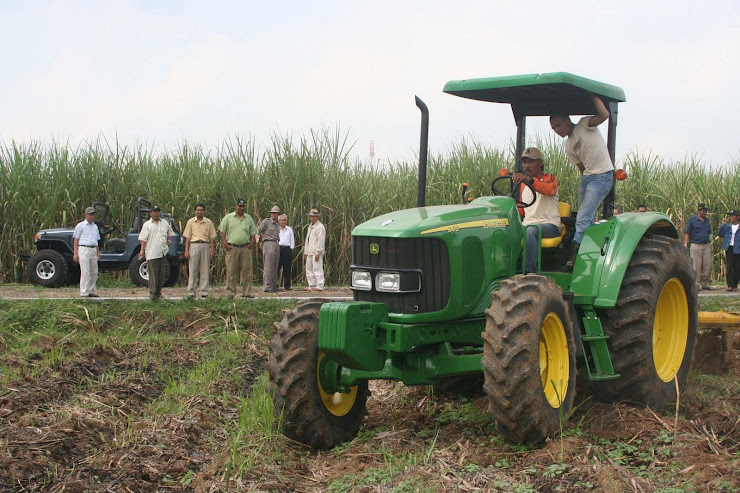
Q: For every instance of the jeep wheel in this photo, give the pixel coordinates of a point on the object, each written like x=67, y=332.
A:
x=529, y=359
x=652, y=329
x=139, y=271
x=47, y=268
x=311, y=415
x=174, y=274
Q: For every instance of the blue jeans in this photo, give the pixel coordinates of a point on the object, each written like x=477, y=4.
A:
x=548, y=231
x=591, y=193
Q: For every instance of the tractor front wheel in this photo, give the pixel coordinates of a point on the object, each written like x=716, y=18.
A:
x=652, y=328
x=529, y=359
x=311, y=414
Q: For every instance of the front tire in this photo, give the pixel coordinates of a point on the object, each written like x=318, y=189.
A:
x=652, y=328
x=47, y=268
x=311, y=415
x=529, y=359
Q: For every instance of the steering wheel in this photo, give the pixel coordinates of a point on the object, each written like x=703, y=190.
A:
x=113, y=227
x=512, y=190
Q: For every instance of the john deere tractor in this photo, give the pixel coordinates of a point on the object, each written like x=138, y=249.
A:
x=439, y=297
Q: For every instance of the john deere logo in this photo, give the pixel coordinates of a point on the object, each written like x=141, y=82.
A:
x=374, y=248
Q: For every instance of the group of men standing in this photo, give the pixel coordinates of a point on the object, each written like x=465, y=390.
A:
x=238, y=234
x=697, y=238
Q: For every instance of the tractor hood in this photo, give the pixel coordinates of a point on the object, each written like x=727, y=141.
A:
x=484, y=212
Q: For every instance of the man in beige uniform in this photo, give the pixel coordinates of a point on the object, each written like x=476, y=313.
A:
x=269, y=231
x=237, y=232
x=155, y=243
x=313, y=252
x=199, y=236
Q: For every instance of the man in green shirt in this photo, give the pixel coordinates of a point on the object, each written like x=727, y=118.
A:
x=237, y=232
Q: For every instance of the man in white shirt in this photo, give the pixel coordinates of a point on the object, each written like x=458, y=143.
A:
x=586, y=149
x=155, y=243
x=87, y=253
x=286, y=244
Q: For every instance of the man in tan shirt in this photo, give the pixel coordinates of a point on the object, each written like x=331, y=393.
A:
x=269, y=232
x=199, y=234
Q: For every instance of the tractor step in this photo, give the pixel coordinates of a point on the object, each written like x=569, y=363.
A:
x=599, y=364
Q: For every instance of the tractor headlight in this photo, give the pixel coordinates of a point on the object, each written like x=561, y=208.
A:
x=362, y=280
x=388, y=281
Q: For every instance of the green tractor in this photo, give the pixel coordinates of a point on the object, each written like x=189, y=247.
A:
x=439, y=298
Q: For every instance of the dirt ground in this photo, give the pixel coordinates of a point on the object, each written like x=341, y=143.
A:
x=72, y=430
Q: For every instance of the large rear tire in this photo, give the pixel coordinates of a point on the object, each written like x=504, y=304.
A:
x=310, y=414
x=652, y=328
x=47, y=268
x=529, y=359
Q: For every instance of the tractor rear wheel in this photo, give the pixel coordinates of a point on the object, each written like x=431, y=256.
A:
x=311, y=415
x=529, y=358
x=652, y=328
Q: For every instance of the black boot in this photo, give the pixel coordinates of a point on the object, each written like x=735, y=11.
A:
x=572, y=259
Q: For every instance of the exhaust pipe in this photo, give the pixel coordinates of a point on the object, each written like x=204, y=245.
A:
x=423, y=149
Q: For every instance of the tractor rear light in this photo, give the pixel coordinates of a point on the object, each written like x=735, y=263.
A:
x=388, y=282
x=504, y=172
x=362, y=280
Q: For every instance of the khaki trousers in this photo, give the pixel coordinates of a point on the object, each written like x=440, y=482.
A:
x=239, y=269
x=88, y=258
x=199, y=265
x=156, y=268
x=270, y=257
x=701, y=256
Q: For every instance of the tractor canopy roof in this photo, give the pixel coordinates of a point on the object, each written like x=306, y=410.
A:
x=538, y=94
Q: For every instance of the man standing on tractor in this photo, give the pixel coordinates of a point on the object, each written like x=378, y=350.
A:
x=587, y=150
x=697, y=239
x=544, y=210
x=87, y=253
x=155, y=242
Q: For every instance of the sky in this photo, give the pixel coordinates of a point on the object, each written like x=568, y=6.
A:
x=162, y=72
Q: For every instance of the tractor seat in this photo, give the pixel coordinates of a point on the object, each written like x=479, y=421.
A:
x=564, y=211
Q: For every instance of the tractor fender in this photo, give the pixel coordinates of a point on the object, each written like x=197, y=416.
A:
x=606, y=251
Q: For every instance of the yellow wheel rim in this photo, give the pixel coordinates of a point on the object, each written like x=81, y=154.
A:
x=670, y=330
x=554, y=361
x=337, y=403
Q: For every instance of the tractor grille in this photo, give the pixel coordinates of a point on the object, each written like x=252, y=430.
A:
x=428, y=255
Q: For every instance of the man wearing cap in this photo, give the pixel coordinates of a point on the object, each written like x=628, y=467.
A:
x=544, y=211
x=87, y=253
x=199, y=234
x=155, y=243
x=269, y=232
x=730, y=233
x=586, y=149
x=313, y=252
x=237, y=231
x=696, y=238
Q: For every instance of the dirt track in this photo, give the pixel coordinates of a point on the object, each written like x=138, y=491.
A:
x=29, y=291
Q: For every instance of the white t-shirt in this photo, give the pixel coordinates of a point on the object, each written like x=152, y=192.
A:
x=734, y=232
x=586, y=145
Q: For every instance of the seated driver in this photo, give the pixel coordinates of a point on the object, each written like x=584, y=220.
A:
x=544, y=210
